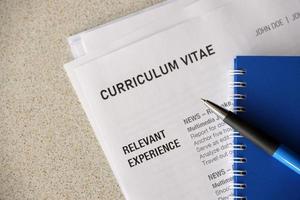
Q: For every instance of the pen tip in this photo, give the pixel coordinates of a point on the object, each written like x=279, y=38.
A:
x=204, y=100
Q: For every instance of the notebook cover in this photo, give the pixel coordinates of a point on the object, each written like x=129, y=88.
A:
x=272, y=103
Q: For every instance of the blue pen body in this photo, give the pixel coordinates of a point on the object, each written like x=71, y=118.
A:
x=288, y=158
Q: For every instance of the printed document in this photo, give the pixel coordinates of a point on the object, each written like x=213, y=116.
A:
x=144, y=100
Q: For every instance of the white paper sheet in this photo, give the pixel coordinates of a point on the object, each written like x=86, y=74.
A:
x=129, y=29
x=101, y=37
x=200, y=167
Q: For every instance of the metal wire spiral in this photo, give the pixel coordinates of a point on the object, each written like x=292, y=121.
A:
x=238, y=147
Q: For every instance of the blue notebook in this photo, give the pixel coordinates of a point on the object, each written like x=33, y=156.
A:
x=267, y=94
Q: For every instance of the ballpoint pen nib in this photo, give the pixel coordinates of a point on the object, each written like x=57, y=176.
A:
x=204, y=100
x=222, y=113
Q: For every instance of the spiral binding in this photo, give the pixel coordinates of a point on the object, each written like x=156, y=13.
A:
x=238, y=147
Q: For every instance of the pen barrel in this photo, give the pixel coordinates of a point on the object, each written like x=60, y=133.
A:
x=288, y=158
x=252, y=133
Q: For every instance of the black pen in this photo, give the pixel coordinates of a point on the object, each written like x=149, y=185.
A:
x=267, y=143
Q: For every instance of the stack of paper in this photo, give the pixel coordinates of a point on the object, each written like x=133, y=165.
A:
x=140, y=80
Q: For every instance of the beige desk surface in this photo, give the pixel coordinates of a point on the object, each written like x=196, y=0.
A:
x=47, y=147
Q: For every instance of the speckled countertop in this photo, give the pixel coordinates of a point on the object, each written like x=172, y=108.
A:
x=47, y=147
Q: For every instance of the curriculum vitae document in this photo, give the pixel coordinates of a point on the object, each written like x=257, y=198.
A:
x=144, y=100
